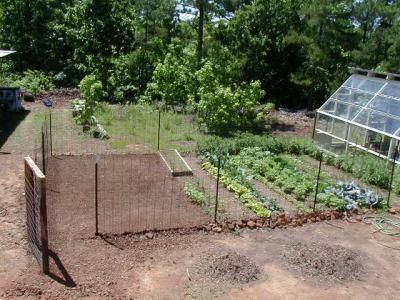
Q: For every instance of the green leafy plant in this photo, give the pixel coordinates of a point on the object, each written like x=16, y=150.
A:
x=92, y=92
x=243, y=193
x=194, y=192
x=31, y=81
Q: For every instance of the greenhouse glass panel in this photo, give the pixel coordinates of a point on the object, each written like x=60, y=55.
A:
x=329, y=106
x=386, y=105
x=352, y=96
x=324, y=123
x=392, y=90
x=363, y=113
x=376, y=120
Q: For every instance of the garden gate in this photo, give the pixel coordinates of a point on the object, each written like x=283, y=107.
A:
x=36, y=213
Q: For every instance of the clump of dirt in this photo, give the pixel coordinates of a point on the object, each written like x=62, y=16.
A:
x=324, y=262
x=217, y=270
x=61, y=97
x=227, y=266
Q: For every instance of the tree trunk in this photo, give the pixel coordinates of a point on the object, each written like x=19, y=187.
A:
x=200, y=31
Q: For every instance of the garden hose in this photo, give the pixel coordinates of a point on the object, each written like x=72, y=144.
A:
x=384, y=225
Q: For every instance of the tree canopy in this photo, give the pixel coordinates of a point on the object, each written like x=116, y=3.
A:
x=293, y=53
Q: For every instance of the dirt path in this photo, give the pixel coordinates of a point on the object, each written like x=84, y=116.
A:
x=14, y=258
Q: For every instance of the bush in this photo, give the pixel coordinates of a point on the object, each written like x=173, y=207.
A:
x=93, y=92
x=223, y=107
x=32, y=82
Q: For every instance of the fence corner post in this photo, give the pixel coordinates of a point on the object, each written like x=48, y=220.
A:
x=43, y=227
x=318, y=177
x=396, y=151
x=51, y=134
x=159, y=129
x=217, y=191
x=96, y=198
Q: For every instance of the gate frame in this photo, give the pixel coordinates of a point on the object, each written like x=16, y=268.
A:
x=35, y=172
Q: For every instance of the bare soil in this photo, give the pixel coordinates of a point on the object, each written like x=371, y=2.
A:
x=297, y=123
x=324, y=262
x=225, y=266
x=61, y=98
x=135, y=193
x=156, y=266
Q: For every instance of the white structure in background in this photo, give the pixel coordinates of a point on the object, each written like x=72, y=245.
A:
x=10, y=97
x=363, y=113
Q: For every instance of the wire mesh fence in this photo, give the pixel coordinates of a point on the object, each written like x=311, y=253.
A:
x=36, y=213
x=138, y=193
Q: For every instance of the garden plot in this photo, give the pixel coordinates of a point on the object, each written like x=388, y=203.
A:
x=202, y=188
x=268, y=183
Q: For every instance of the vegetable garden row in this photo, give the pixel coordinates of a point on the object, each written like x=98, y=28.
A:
x=279, y=164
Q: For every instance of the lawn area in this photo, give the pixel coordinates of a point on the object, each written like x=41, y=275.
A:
x=130, y=125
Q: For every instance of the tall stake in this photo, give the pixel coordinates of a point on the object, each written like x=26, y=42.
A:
x=51, y=136
x=159, y=129
x=96, y=198
x=396, y=151
x=318, y=176
x=43, y=153
x=217, y=191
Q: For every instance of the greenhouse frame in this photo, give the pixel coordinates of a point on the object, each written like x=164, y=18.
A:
x=364, y=113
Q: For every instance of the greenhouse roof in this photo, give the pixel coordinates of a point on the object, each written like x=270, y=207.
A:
x=368, y=99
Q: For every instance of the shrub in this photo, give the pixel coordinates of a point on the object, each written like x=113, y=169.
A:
x=93, y=92
x=31, y=81
x=224, y=107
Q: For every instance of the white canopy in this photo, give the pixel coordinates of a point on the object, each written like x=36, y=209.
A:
x=5, y=52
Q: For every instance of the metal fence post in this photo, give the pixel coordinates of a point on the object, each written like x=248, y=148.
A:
x=96, y=198
x=159, y=129
x=396, y=151
x=318, y=176
x=217, y=191
x=43, y=227
x=51, y=135
x=43, y=153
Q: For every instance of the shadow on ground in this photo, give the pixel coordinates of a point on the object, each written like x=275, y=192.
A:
x=9, y=121
x=65, y=278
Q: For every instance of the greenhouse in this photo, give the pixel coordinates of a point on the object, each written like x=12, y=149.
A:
x=363, y=113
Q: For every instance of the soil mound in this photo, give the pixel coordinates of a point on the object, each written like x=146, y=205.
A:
x=227, y=266
x=325, y=262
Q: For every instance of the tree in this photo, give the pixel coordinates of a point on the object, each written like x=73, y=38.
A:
x=29, y=28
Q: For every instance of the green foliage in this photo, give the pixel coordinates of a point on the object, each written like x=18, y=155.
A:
x=225, y=107
x=138, y=124
x=33, y=82
x=368, y=168
x=173, y=80
x=233, y=145
x=298, y=50
x=243, y=193
x=195, y=193
x=92, y=92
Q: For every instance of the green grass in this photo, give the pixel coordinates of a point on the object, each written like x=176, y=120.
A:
x=138, y=124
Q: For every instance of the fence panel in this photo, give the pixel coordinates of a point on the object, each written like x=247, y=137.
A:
x=137, y=193
x=36, y=213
